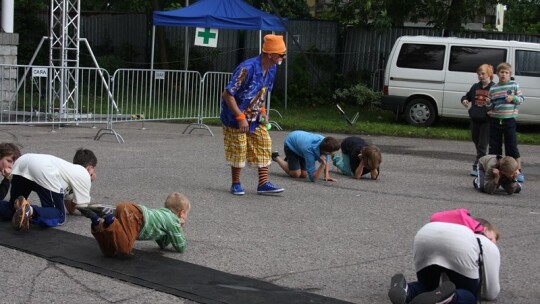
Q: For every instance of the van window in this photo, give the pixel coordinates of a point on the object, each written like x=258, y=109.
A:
x=421, y=56
x=468, y=59
x=527, y=63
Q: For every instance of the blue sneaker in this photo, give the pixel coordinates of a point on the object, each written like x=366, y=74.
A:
x=521, y=178
x=474, y=173
x=237, y=189
x=269, y=188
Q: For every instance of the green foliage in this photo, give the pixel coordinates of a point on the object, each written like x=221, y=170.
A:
x=522, y=17
x=360, y=95
x=296, y=9
x=308, y=84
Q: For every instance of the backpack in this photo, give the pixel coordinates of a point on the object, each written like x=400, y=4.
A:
x=458, y=216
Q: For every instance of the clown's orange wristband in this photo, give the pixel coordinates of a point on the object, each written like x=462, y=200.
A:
x=263, y=111
x=240, y=116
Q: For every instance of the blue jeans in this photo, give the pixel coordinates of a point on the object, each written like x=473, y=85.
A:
x=51, y=213
x=503, y=129
x=428, y=280
x=343, y=163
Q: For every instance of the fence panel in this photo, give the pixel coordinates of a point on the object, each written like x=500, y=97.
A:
x=147, y=95
x=31, y=95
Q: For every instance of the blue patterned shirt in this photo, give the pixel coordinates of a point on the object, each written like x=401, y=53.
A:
x=249, y=87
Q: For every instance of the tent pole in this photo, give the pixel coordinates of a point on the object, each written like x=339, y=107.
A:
x=286, y=69
x=186, y=45
x=153, y=46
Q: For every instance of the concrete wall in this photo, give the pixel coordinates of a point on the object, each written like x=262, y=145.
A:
x=8, y=55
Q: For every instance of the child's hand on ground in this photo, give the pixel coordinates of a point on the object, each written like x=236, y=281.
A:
x=330, y=179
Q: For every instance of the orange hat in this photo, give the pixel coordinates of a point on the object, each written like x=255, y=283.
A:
x=274, y=44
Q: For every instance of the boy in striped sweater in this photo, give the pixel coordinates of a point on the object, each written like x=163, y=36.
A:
x=116, y=233
x=504, y=97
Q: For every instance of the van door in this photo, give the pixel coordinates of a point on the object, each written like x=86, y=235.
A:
x=527, y=75
x=418, y=70
x=463, y=62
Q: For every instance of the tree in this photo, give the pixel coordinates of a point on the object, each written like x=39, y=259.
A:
x=522, y=16
x=449, y=15
x=292, y=9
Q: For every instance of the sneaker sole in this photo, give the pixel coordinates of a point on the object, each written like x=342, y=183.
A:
x=238, y=193
x=270, y=191
x=20, y=220
x=442, y=295
x=397, y=294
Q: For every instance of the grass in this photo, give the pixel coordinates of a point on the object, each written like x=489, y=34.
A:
x=377, y=122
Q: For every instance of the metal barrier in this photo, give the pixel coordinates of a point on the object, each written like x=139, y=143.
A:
x=212, y=87
x=152, y=95
x=29, y=95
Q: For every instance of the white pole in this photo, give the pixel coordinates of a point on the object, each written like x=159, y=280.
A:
x=7, y=15
x=153, y=47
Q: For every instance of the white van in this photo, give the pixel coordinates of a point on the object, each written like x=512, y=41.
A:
x=426, y=77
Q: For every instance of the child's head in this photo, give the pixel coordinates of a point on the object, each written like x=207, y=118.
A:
x=504, y=72
x=179, y=204
x=485, y=71
x=490, y=230
x=8, y=155
x=371, y=157
x=508, y=167
x=329, y=145
x=88, y=160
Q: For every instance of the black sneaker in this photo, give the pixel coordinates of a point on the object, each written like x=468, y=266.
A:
x=102, y=210
x=99, y=210
x=442, y=295
x=275, y=155
x=398, y=289
x=87, y=212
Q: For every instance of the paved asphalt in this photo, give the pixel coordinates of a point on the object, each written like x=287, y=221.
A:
x=342, y=240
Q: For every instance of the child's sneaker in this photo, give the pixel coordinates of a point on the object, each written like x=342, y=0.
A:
x=474, y=171
x=398, y=289
x=237, y=189
x=442, y=295
x=102, y=210
x=521, y=178
x=275, y=155
x=268, y=188
x=22, y=215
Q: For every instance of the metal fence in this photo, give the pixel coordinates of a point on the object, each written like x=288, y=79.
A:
x=29, y=96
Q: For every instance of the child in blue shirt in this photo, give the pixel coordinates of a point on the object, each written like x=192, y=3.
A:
x=302, y=150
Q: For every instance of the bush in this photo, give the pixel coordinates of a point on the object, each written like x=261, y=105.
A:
x=360, y=95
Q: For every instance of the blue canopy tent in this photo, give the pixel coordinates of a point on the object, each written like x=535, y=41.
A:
x=223, y=14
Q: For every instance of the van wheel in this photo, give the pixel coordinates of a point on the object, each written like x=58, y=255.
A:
x=420, y=112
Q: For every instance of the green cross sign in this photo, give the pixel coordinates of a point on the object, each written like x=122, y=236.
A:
x=206, y=35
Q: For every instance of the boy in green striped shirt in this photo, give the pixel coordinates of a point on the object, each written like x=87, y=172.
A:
x=504, y=98
x=116, y=234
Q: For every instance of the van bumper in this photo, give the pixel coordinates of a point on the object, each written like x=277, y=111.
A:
x=392, y=103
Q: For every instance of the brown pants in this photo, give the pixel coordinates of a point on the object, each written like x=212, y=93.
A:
x=119, y=238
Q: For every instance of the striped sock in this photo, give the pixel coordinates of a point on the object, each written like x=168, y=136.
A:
x=235, y=175
x=263, y=175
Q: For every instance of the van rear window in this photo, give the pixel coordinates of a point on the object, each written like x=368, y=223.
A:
x=527, y=63
x=421, y=56
x=468, y=59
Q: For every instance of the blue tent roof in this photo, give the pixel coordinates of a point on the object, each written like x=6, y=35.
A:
x=225, y=14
